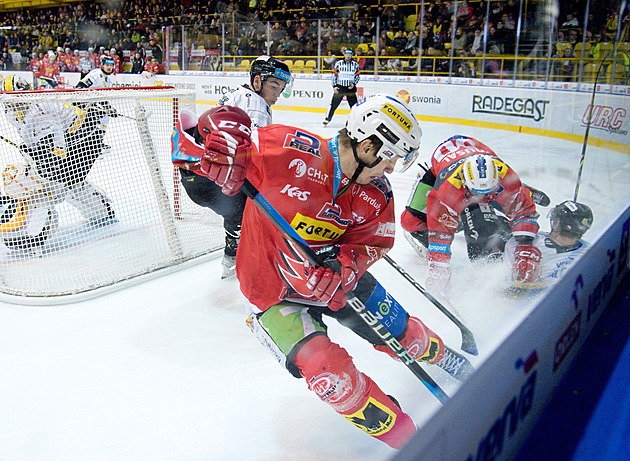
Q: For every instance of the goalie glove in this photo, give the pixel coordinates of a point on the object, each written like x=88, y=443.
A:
x=227, y=139
x=330, y=284
x=102, y=108
x=526, y=267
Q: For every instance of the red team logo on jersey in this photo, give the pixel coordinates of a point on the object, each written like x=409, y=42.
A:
x=304, y=142
x=332, y=212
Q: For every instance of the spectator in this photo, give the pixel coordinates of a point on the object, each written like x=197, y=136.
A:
x=6, y=62
x=400, y=41
x=412, y=42
x=412, y=65
x=330, y=60
x=137, y=63
x=140, y=49
x=156, y=51
x=571, y=21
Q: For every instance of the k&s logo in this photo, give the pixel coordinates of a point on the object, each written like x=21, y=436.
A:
x=295, y=192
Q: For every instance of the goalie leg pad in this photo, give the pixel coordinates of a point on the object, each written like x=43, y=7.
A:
x=24, y=226
x=21, y=181
x=420, y=341
x=331, y=374
x=91, y=202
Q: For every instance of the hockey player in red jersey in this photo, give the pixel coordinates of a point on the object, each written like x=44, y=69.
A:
x=48, y=70
x=463, y=172
x=333, y=192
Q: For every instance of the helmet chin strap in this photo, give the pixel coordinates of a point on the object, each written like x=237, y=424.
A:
x=361, y=163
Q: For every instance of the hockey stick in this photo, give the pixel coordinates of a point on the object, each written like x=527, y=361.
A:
x=588, y=128
x=468, y=340
x=9, y=141
x=359, y=308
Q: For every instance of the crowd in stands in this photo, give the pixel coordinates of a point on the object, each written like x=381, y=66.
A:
x=290, y=28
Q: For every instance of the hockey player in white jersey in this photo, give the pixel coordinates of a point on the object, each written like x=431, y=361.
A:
x=559, y=248
x=60, y=143
x=101, y=77
x=269, y=78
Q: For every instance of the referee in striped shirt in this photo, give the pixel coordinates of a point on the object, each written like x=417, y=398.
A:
x=344, y=81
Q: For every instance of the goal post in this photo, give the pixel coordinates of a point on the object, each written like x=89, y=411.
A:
x=90, y=199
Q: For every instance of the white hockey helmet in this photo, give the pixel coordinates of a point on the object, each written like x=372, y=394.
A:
x=59, y=49
x=390, y=120
x=480, y=174
x=51, y=55
x=15, y=83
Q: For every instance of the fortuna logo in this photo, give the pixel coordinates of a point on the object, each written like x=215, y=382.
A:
x=295, y=192
x=399, y=118
x=314, y=230
x=332, y=212
x=304, y=142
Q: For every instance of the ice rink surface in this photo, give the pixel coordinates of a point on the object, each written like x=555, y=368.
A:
x=168, y=370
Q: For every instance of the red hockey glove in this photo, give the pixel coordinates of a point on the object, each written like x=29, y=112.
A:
x=439, y=278
x=331, y=285
x=227, y=134
x=526, y=267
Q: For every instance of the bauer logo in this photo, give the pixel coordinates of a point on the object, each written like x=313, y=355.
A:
x=534, y=109
x=606, y=118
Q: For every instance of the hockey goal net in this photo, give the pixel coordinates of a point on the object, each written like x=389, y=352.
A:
x=90, y=198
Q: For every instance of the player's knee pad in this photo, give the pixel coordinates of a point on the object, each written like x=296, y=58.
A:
x=413, y=221
x=331, y=374
x=283, y=329
x=419, y=341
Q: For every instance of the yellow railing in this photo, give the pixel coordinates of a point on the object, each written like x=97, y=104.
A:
x=488, y=67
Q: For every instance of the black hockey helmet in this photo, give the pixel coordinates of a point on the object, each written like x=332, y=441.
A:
x=15, y=83
x=574, y=218
x=268, y=66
